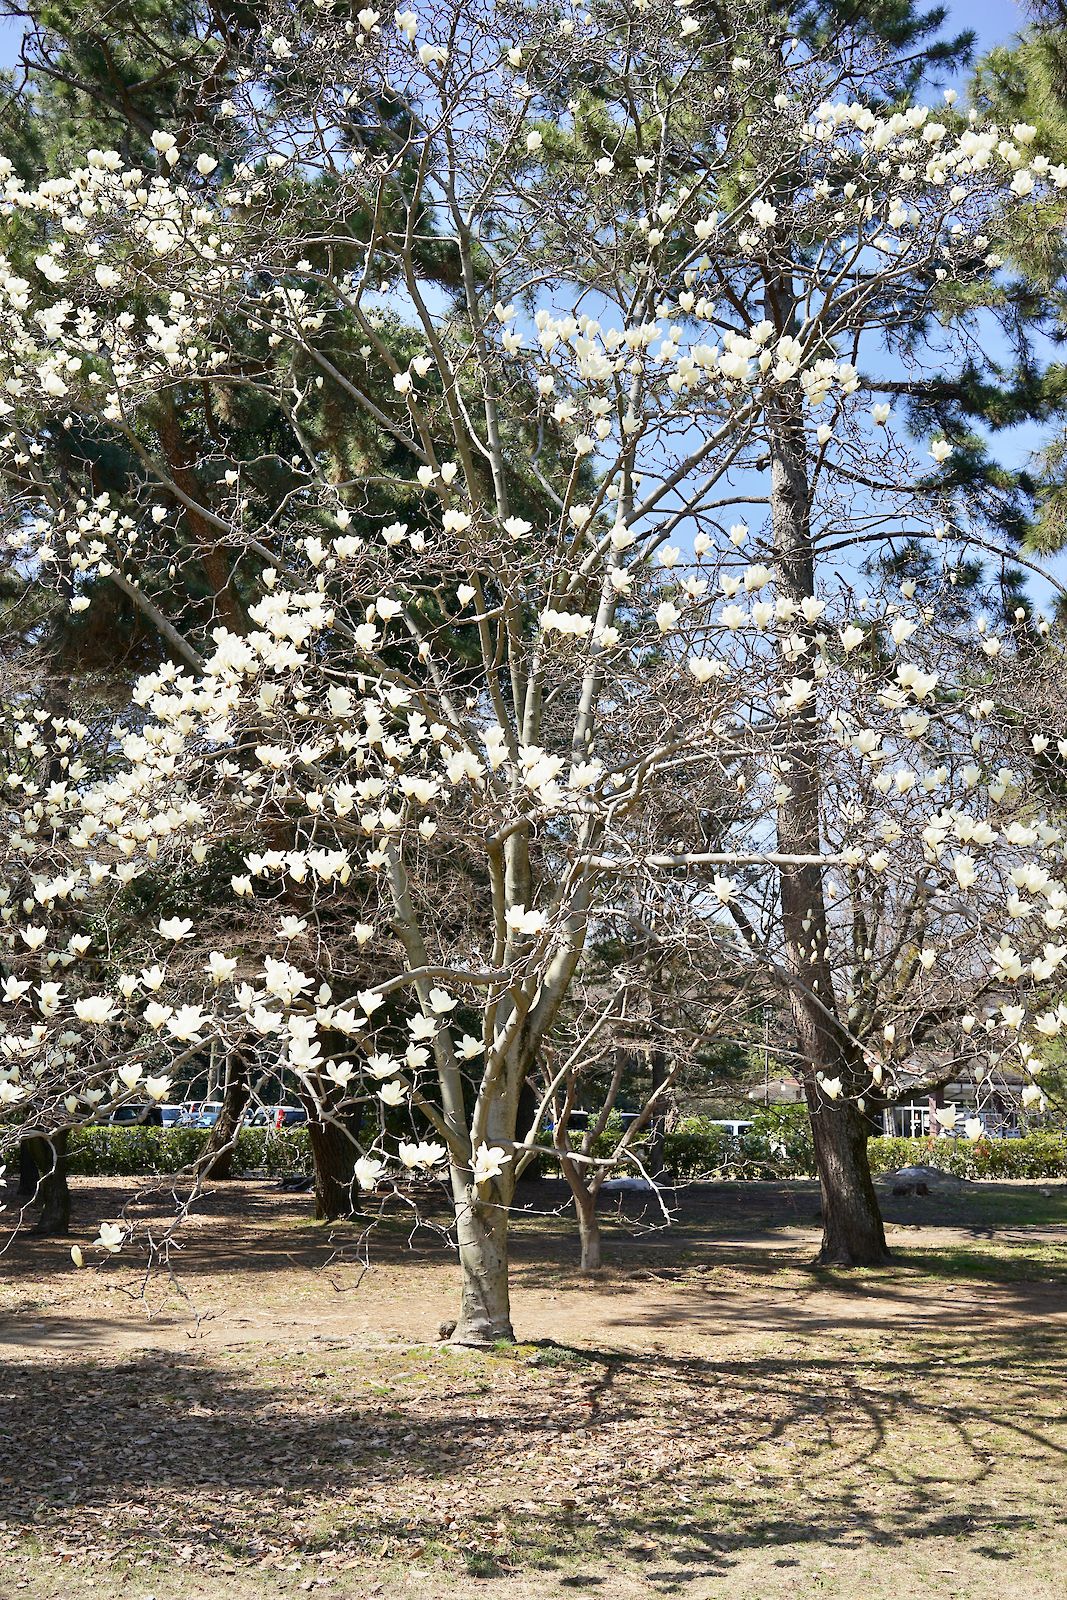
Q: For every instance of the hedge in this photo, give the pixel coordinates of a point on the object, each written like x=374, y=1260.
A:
x=783, y=1149
x=778, y=1145
x=1036, y=1155
x=147, y=1152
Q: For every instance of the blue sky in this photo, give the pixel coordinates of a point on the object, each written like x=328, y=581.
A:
x=994, y=21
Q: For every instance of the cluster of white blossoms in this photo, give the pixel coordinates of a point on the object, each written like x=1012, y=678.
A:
x=917, y=189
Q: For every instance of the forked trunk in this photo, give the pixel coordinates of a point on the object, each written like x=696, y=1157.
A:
x=485, y=1307
x=853, y=1234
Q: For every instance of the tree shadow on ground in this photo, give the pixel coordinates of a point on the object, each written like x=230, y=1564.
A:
x=251, y=1227
x=541, y=1458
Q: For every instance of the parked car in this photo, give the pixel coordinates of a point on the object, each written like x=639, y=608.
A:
x=733, y=1126
x=131, y=1116
x=189, y=1111
x=278, y=1117
x=209, y=1113
x=172, y=1115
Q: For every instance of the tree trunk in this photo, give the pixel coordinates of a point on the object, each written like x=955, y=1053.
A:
x=853, y=1234
x=50, y=1156
x=657, y=1126
x=27, y=1170
x=589, y=1238
x=585, y=1209
x=335, y=1153
x=485, y=1307
x=219, y=1150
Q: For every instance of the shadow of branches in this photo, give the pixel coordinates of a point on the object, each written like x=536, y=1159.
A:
x=540, y=1457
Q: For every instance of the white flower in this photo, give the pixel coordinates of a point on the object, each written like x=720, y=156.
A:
x=176, y=928
x=940, y=450
x=221, y=967
x=186, y=1023
x=368, y=1171
x=831, y=1088
x=441, y=1001
x=392, y=1093
x=111, y=1237
x=851, y=637
x=725, y=889
x=530, y=923
x=966, y=872
x=489, y=1162
x=973, y=1128
x=97, y=1008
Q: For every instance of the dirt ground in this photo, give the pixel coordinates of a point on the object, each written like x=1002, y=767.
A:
x=709, y=1417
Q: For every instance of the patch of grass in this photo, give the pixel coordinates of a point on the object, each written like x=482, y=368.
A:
x=997, y=1263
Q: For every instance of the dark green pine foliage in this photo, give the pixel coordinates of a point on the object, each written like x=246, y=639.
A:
x=1026, y=81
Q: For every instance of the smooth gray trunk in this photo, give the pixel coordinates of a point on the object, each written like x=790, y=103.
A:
x=485, y=1304
x=589, y=1237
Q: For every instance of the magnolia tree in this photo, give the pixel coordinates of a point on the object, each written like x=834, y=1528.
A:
x=445, y=748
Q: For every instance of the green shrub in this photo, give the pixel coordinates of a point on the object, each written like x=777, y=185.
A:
x=777, y=1145
x=151, y=1152
x=696, y=1148
x=1038, y=1155
x=274, y=1152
